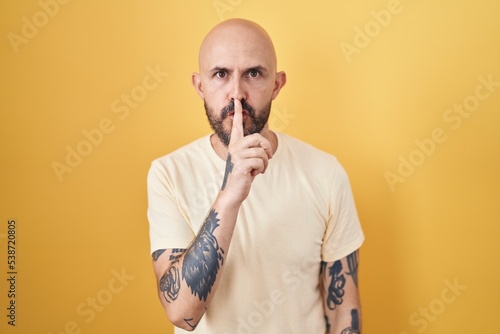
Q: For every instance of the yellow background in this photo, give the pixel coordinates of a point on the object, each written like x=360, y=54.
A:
x=438, y=224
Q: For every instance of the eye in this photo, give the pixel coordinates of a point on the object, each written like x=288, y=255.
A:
x=253, y=73
x=220, y=74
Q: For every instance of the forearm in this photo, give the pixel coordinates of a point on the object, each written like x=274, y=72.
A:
x=187, y=286
x=345, y=319
x=340, y=295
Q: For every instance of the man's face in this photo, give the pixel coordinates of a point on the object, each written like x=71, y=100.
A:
x=237, y=64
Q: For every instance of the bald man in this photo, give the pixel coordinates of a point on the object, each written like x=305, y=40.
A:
x=252, y=231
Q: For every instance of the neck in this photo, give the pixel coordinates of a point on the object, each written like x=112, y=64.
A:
x=221, y=149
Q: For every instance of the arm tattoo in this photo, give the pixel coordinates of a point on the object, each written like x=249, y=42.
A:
x=229, y=169
x=188, y=322
x=352, y=262
x=157, y=253
x=193, y=326
x=176, y=251
x=201, y=262
x=336, y=289
x=328, y=326
x=354, y=329
x=170, y=283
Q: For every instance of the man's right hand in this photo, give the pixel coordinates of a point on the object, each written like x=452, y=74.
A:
x=248, y=156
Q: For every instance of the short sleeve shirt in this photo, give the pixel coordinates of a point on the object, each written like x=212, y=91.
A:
x=299, y=213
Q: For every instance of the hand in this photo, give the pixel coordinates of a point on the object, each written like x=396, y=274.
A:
x=248, y=156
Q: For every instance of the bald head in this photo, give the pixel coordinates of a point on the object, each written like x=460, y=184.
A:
x=233, y=39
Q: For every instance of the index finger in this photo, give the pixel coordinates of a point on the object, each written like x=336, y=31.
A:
x=237, y=129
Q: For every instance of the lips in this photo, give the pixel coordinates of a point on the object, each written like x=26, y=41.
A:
x=244, y=114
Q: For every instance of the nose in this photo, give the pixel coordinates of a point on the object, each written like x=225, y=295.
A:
x=237, y=90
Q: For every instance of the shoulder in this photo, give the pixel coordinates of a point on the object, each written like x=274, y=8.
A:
x=193, y=150
x=315, y=162
x=181, y=159
x=301, y=150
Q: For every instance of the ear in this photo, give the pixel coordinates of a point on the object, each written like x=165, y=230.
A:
x=196, y=81
x=279, y=82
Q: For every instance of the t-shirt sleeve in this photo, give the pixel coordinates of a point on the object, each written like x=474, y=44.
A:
x=343, y=233
x=168, y=226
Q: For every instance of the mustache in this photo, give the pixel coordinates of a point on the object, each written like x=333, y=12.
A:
x=230, y=107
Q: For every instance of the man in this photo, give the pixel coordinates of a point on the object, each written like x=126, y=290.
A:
x=252, y=231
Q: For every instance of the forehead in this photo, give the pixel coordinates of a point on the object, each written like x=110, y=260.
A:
x=236, y=47
x=236, y=56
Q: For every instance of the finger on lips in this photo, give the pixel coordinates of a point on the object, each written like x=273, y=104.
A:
x=237, y=129
x=255, y=145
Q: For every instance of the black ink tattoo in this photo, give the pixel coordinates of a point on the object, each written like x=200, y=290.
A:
x=170, y=283
x=201, y=262
x=336, y=289
x=176, y=251
x=156, y=254
x=352, y=262
x=193, y=326
x=328, y=326
x=229, y=169
x=354, y=329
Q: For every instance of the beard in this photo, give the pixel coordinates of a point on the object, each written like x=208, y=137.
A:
x=253, y=123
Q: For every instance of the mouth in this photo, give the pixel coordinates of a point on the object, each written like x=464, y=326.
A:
x=244, y=114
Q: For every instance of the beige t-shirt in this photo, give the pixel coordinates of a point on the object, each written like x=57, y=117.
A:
x=299, y=213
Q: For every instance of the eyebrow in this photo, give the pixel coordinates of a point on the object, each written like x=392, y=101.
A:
x=225, y=69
